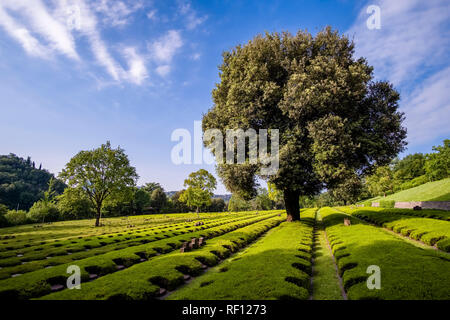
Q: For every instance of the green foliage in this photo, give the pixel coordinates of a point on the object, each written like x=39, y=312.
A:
x=15, y=218
x=333, y=119
x=236, y=204
x=142, y=199
x=387, y=203
x=381, y=182
x=217, y=205
x=3, y=209
x=409, y=168
x=43, y=212
x=262, y=201
x=74, y=204
x=21, y=184
x=152, y=186
x=158, y=199
x=201, y=185
x=100, y=174
x=437, y=165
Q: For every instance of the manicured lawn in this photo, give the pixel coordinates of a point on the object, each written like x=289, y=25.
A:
x=431, y=191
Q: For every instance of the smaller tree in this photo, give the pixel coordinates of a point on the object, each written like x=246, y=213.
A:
x=200, y=186
x=99, y=174
x=381, y=182
x=152, y=186
x=437, y=165
x=158, y=199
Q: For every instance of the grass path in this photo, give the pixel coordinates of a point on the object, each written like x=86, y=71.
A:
x=326, y=285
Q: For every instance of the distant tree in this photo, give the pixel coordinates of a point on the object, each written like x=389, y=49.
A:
x=275, y=195
x=142, y=199
x=74, y=204
x=237, y=203
x=45, y=209
x=21, y=185
x=152, y=186
x=217, y=205
x=178, y=205
x=99, y=174
x=200, y=186
x=348, y=191
x=437, y=165
x=333, y=119
x=410, y=167
x=158, y=199
x=381, y=182
x=262, y=200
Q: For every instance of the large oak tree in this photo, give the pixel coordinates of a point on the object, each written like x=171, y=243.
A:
x=334, y=120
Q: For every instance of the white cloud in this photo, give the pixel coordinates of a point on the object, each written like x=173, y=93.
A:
x=411, y=51
x=116, y=13
x=412, y=36
x=152, y=15
x=191, y=17
x=166, y=47
x=36, y=17
x=30, y=44
x=163, y=70
x=196, y=56
x=137, y=72
x=428, y=108
x=44, y=30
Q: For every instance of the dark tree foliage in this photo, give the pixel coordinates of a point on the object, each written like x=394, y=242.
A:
x=21, y=184
x=334, y=121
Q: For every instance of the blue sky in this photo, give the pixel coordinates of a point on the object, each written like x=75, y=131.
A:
x=76, y=73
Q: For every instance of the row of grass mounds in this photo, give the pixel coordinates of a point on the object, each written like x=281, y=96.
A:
x=25, y=236
x=61, y=247
x=40, y=282
x=430, y=231
x=276, y=267
x=424, y=213
x=407, y=272
x=67, y=254
x=145, y=280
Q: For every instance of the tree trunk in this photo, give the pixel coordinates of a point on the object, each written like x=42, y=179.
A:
x=291, y=201
x=99, y=214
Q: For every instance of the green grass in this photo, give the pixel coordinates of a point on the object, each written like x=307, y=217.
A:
x=430, y=231
x=276, y=267
x=38, y=283
x=407, y=272
x=143, y=281
x=325, y=280
x=431, y=191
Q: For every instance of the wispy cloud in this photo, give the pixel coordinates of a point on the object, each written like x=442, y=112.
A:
x=116, y=13
x=35, y=16
x=411, y=51
x=164, y=49
x=190, y=15
x=46, y=29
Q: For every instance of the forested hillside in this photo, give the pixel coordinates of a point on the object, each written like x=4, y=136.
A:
x=21, y=183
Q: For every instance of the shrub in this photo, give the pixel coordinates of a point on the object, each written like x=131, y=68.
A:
x=72, y=204
x=367, y=203
x=14, y=217
x=42, y=211
x=387, y=203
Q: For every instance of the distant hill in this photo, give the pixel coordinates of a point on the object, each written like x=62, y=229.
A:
x=21, y=183
x=225, y=197
x=431, y=191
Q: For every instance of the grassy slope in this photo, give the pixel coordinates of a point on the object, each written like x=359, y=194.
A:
x=431, y=191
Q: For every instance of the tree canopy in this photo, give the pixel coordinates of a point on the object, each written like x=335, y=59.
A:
x=99, y=174
x=22, y=184
x=200, y=186
x=334, y=121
